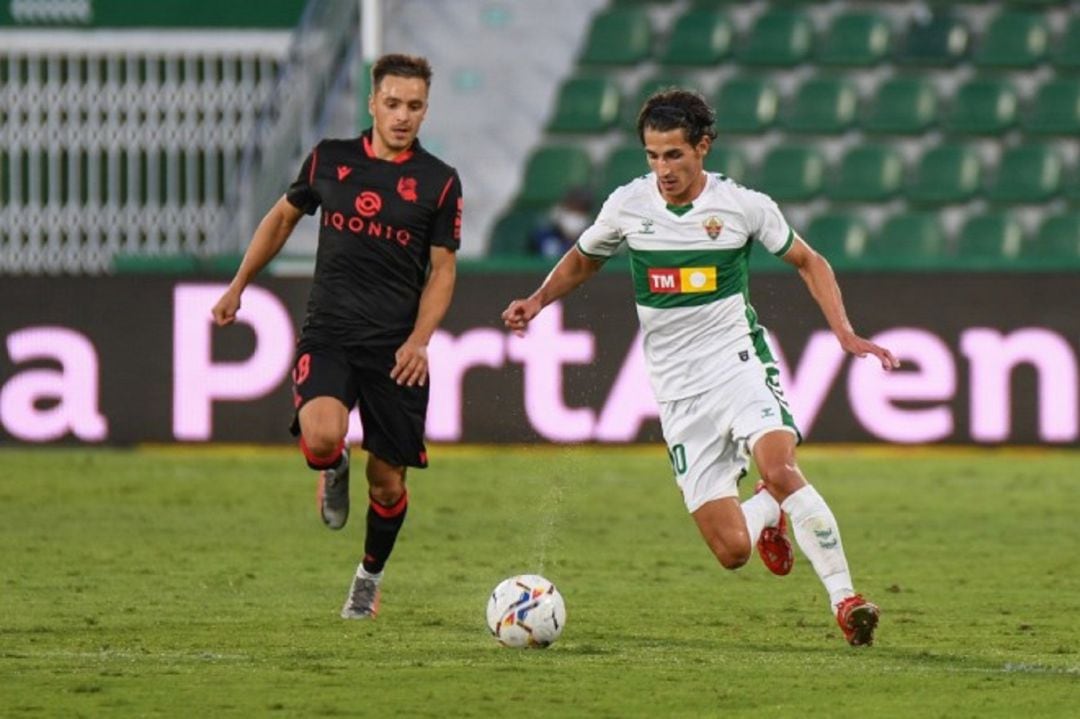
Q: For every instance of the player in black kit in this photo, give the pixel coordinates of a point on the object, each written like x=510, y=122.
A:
x=384, y=278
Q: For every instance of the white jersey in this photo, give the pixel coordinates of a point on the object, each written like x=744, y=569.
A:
x=690, y=271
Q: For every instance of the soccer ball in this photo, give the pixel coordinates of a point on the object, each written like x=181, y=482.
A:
x=526, y=611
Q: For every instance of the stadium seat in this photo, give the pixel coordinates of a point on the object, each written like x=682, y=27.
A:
x=1067, y=55
x=823, y=105
x=946, y=174
x=838, y=235
x=1027, y=173
x=1071, y=186
x=907, y=236
x=1014, y=39
x=619, y=36
x=902, y=106
x=856, y=39
x=993, y=236
x=510, y=236
x=700, y=38
x=623, y=164
x=746, y=104
x=551, y=171
x=867, y=173
x=728, y=161
x=648, y=86
x=778, y=38
x=586, y=104
x=1058, y=237
x=940, y=39
x=983, y=106
x=792, y=173
x=1056, y=108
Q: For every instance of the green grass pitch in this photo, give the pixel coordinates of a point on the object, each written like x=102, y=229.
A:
x=170, y=582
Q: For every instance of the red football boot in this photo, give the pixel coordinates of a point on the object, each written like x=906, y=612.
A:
x=773, y=545
x=857, y=618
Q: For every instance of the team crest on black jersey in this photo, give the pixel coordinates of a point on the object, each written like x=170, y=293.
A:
x=406, y=187
x=713, y=226
x=343, y=171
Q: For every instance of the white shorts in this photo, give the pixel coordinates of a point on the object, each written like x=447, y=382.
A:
x=710, y=435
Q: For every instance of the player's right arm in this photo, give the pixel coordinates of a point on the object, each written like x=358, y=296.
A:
x=270, y=236
x=572, y=271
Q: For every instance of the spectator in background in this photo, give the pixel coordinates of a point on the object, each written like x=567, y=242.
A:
x=564, y=224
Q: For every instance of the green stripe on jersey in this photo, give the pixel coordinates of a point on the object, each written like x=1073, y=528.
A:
x=731, y=275
x=787, y=245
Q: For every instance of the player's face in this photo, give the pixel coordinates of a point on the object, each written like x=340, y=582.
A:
x=679, y=166
x=398, y=106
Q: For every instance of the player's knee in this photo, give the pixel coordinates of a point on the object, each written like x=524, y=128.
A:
x=322, y=443
x=733, y=560
x=782, y=478
x=731, y=552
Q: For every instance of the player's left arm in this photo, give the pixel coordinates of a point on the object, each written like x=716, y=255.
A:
x=411, y=359
x=821, y=281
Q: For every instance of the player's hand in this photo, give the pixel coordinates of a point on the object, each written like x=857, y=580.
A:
x=410, y=364
x=860, y=347
x=517, y=316
x=225, y=310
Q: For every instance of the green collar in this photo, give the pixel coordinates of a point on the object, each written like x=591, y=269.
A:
x=680, y=210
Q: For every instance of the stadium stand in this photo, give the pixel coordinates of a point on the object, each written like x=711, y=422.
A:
x=870, y=120
x=124, y=147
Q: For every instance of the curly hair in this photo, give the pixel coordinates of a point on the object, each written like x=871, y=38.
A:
x=675, y=108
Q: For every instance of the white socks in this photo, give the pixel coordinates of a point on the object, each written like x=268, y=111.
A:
x=819, y=539
x=760, y=511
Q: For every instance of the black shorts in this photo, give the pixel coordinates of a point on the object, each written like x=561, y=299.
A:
x=392, y=415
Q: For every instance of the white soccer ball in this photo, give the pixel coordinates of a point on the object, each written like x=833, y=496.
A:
x=526, y=611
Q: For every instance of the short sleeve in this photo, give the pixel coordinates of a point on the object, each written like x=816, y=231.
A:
x=301, y=193
x=766, y=223
x=603, y=238
x=446, y=227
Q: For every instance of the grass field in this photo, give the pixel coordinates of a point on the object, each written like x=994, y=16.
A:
x=201, y=583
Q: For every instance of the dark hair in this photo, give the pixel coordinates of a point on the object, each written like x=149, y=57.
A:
x=400, y=66
x=675, y=108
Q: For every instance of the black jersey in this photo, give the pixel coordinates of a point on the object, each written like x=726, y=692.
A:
x=379, y=221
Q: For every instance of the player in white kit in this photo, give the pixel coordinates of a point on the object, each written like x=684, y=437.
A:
x=689, y=235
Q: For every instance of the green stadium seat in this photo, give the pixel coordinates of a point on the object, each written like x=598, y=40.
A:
x=1072, y=186
x=856, y=39
x=838, y=235
x=1058, y=237
x=619, y=36
x=907, y=236
x=623, y=164
x=510, y=235
x=645, y=90
x=902, y=106
x=1027, y=173
x=823, y=105
x=983, y=106
x=778, y=38
x=728, y=161
x=1056, y=108
x=867, y=173
x=993, y=236
x=700, y=38
x=1067, y=55
x=940, y=40
x=946, y=174
x=552, y=170
x=746, y=104
x=586, y=104
x=1014, y=39
x=792, y=173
